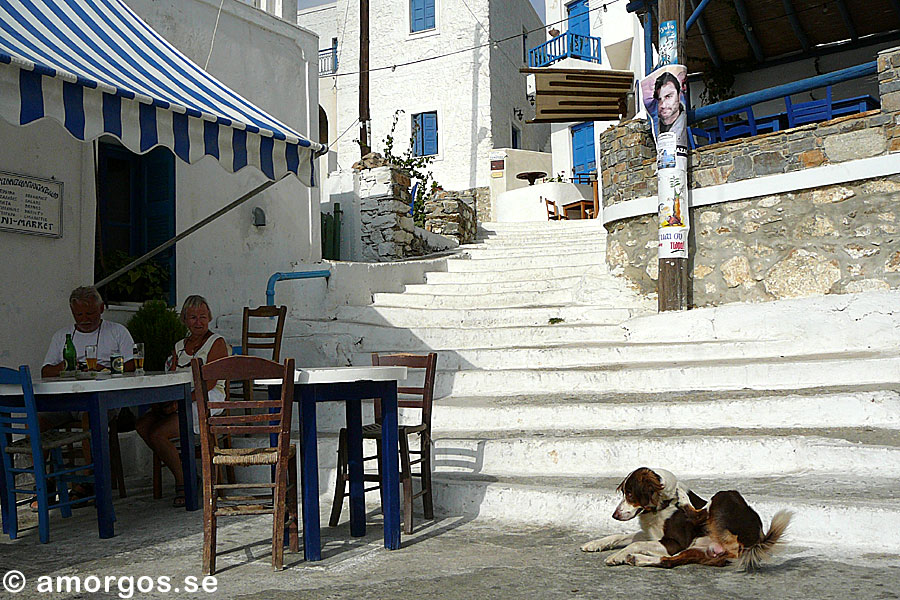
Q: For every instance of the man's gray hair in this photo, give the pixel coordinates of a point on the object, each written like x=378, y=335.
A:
x=85, y=292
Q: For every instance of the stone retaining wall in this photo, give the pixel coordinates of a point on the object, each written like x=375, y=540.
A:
x=833, y=239
x=453, y=214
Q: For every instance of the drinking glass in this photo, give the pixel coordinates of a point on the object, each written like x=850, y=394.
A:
x=90, y=357
x=139, y=358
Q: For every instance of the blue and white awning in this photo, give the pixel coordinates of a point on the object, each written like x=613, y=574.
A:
x=98, y=69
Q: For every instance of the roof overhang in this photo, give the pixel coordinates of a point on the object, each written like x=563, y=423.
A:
x=565, y=95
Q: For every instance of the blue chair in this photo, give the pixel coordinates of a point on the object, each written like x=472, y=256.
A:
x=813, y=111
x=745, y=127
x=709, y=137
x=20, y=420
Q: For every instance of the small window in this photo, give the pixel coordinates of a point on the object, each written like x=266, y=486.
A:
x=516, y=143
x=425, y=134
x=421, y=15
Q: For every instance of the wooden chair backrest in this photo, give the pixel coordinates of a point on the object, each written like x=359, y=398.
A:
x=15, y=418
x=267, y=339
x=552, y=210
x=426, y=391
x=266, y=420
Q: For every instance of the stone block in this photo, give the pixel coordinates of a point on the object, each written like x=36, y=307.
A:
x=867, y=285
x=812, y=158
x=767, y=163
x=743, y=169
x=890, y=102
x=893, y=263
x=855, y=145
x=736, y=271
x=802, y=273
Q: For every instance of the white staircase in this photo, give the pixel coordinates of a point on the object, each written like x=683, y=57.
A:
x=556, y=380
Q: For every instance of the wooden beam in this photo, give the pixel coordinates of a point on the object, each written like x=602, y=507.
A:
x=800, y=34
x=705, y=36
x=848, y=19
x=741, y=7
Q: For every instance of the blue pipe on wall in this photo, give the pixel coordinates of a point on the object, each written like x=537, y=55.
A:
x=780, y=91
x=276, y=277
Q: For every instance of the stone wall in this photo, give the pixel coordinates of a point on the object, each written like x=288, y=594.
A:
x=834, y=239
x=388, y=231
x=453, y=214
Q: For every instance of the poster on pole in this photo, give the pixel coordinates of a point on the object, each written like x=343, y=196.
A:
x=668, y=43
x=30, y=205
x=663, y=96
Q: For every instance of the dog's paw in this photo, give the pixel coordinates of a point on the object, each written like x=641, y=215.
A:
x=618, y=558
x=604, y=543
x=641, y=560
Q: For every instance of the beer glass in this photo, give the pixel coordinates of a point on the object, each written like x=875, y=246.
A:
x=90, y=357
x=139, y=358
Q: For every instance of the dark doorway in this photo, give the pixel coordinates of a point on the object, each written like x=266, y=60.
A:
x=135, y=213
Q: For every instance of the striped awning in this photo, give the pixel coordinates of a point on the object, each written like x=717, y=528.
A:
x=96, y=67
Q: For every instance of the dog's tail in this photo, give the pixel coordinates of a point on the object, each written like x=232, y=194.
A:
x=752, y=556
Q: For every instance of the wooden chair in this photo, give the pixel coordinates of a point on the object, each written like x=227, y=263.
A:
x=428, y=362
x=262, y=339
x=22, y=420
x=281, y=500
x=553, y=213
x=115, y=449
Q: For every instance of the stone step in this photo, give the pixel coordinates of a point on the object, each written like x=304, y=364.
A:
x=591, y=293
x=531, y=239
x=499, y=287
x=860, y=512
x=532, y=274
x=522, y=251
x=723, y=452
x=776, y=373
x=525, y=262
x=863, y=406
x=364, y=337
x=418, y=316
x=539, y=226
x=619, y=354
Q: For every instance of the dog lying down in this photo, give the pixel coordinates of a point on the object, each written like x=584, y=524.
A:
x=678, y=527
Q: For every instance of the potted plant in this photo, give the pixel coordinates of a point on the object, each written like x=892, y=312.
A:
x=158, y=327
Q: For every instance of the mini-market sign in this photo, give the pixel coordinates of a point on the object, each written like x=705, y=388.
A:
x=30, y=205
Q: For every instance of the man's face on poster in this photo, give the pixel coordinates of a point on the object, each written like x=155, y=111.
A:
x=669, y=103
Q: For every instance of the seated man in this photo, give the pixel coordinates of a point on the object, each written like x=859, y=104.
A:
x=89, y=329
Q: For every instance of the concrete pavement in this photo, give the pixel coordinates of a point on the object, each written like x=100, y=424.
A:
x=453, y=558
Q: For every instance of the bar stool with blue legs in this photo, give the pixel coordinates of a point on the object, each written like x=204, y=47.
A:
x=21, y=435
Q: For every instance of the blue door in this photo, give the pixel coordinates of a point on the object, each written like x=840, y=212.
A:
x=579, y=17
x=584, y=160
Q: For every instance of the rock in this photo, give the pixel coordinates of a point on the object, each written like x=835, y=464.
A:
x=815, y=226
x=833, y=195
x=802, y=273
x=616, y=257
x=769, y=201
x=855, y=144
x=812, y=158
x=867, y=285
x=653, y=268
x=736, y=271
x=893, y=263
x=709, y=217
x=767, y=163
x=701, y=271
x=857, y=251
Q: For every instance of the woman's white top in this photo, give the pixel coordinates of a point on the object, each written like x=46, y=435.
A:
x=216, y=394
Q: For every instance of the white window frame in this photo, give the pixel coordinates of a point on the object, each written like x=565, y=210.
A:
x=425, y=32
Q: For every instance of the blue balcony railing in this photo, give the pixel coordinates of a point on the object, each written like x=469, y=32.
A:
x=328, y=61
x=565, y=45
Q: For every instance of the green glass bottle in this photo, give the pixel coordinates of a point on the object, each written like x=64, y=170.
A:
x=69, y=355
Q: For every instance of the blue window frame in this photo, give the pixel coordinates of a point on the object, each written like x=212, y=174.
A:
x=583, y=157
x=425, y=130
x=579, y=17
x=421, y=15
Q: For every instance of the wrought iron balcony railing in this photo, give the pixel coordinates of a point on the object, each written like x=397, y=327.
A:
x=565, y=45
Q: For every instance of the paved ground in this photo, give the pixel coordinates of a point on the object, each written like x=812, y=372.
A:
x=449, y=558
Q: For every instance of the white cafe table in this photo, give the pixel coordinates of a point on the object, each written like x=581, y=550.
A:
x=97, y=396
x=350, y=385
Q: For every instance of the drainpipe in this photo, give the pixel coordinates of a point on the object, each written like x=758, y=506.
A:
x=276, y=277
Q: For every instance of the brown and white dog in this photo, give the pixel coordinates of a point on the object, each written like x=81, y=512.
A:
x=657, y=498
x=733, y=531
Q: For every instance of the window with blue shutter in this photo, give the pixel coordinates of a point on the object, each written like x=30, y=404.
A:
x=584, y=160
x=421, y=15
x=425, y=130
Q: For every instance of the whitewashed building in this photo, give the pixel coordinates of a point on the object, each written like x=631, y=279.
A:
x=112, y=196
x=452, y=66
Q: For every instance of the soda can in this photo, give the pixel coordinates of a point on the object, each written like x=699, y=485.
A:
x=116, y=364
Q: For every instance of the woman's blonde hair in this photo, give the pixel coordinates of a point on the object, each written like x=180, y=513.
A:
x=194, y=301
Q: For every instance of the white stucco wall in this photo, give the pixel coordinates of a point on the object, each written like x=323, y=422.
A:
x=458, y=87
x=39, y=272
x=527, y=204
x=515, y=162
x=272, y=63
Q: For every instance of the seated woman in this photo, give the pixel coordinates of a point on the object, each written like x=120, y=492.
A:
x=159, y=426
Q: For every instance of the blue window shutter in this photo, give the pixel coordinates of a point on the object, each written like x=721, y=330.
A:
x=419, y=135
x=583, y=157
x=429, y=128
x=421, y=15
x=429, y=14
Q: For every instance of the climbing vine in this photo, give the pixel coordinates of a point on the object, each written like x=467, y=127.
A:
x=418, y=168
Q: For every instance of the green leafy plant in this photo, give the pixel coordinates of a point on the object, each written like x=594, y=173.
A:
x=158, y=327
x=718, y=82
x=418, y=167
x=146, y=281
x=555, y=320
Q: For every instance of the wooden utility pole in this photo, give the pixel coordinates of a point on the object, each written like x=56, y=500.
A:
x=673, y=272
x=365, y=145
